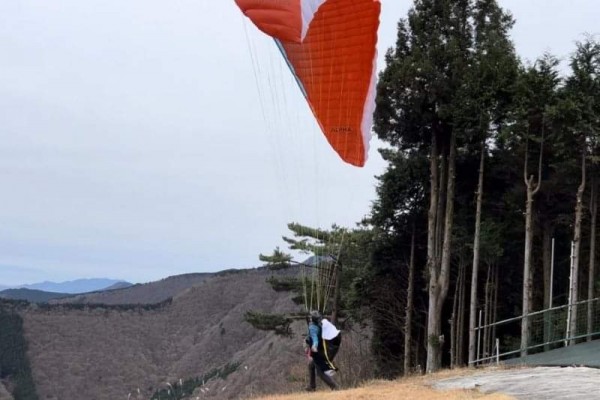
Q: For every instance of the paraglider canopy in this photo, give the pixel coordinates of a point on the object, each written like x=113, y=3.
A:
x=330, y=47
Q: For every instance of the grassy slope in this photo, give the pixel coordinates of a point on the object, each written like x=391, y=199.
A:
x=416, y=388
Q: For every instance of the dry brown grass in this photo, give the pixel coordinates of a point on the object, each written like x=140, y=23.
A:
x=416, y=388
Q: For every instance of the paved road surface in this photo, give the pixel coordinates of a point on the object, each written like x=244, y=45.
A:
x=584, y=354
x=537, y=383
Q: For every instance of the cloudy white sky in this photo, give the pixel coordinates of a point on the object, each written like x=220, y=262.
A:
x=144, y=138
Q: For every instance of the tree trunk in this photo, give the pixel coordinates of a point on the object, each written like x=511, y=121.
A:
x=495, y=302
x=577, y=248
x=475, y=271
x=460, y=359
x=439, y=238
x=487, y=308
x=419, y=342
x=547, y=260
x=547, y=263
x=527, y=276
x=532, y=189
x=456, y=320
x=592, y=270
x=432, y=262
x=453, y=324
x=409, y=306
x=439, y=279
x=434, y=329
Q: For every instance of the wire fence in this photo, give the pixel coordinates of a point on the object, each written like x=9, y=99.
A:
x=548, y=329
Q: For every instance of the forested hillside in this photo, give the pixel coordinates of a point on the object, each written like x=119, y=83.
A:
x=491, y=182
x=490, y=159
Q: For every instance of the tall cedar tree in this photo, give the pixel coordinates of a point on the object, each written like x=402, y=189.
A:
x=535, y=129
x=581, y=111
x=494, y=72
x=425, y=105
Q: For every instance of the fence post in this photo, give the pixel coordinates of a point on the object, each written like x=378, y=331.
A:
x=551, y=294
x=497, y=351
x=570, y=301
x=479, y=336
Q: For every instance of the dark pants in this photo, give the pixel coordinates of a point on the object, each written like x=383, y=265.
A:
x=314, y=370
x=323, y=361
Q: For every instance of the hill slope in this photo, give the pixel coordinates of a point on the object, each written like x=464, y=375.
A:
x=106, y=353
x=147, y=293
x=34, y=296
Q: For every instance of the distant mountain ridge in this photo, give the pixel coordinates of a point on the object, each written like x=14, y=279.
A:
x=146, y=293
x=31, y=295
x=76, y=286
x=119, y=285
x=110, y=292
x=46, y=291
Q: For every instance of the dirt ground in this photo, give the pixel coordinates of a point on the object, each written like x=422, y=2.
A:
x=392, y=391
x=517, y=383
x=415, y=388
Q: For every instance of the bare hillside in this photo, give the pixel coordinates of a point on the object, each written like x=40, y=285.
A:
x=103, y=353
x=147, y=293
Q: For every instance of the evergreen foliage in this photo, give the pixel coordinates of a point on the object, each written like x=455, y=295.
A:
x=454, y=71
x=277, y=260
x=107, y=307
x=288, y=284
x=278, y=323
x=14, y=365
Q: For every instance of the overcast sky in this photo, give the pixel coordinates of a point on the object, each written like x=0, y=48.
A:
x=141, y=139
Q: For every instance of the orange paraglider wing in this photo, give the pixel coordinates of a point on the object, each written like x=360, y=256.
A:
x=330, y=47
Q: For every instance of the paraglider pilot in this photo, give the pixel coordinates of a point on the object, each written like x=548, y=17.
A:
x=320, y=352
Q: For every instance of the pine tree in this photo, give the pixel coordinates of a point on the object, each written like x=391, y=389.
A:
x=277, y=260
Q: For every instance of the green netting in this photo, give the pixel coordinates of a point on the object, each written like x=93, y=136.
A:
x=550, y=331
